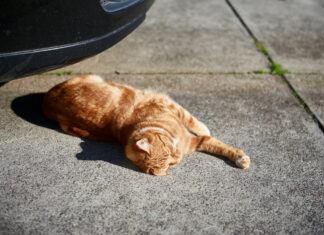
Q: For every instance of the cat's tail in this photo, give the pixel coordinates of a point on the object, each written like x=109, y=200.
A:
x=212, y=145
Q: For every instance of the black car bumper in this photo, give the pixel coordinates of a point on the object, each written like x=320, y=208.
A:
x=41, y=35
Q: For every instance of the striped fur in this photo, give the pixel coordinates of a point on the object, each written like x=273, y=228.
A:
x=154, y=130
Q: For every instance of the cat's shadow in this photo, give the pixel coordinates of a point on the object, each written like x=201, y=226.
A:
x=28, y=107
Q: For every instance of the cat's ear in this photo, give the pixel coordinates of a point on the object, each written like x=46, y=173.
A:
x=143, y=144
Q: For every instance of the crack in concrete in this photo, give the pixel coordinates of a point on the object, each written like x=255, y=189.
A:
x=258, y=72
x=265, y=52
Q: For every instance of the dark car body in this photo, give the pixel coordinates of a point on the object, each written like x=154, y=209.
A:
x=41, y=35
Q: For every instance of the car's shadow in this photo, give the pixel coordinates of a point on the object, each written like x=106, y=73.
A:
x=28, y=107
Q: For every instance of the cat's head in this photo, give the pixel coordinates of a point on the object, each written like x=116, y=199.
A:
x=153, y=151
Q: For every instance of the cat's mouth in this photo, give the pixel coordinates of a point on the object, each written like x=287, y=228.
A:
x=161, y=171
x=157, y=172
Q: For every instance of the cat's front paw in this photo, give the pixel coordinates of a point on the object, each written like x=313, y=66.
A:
x=243, y=162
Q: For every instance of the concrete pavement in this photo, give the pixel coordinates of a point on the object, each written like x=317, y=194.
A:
x=52, y=183
x=182, y=37
x=291, y=30
x=311, y=88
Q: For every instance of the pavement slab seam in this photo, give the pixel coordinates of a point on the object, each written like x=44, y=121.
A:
x=281, y=74
x=66, y=73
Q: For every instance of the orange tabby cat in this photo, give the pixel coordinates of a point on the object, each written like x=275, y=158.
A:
x=154, y=130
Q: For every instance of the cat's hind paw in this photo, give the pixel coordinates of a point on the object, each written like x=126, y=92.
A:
x=243, y=162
